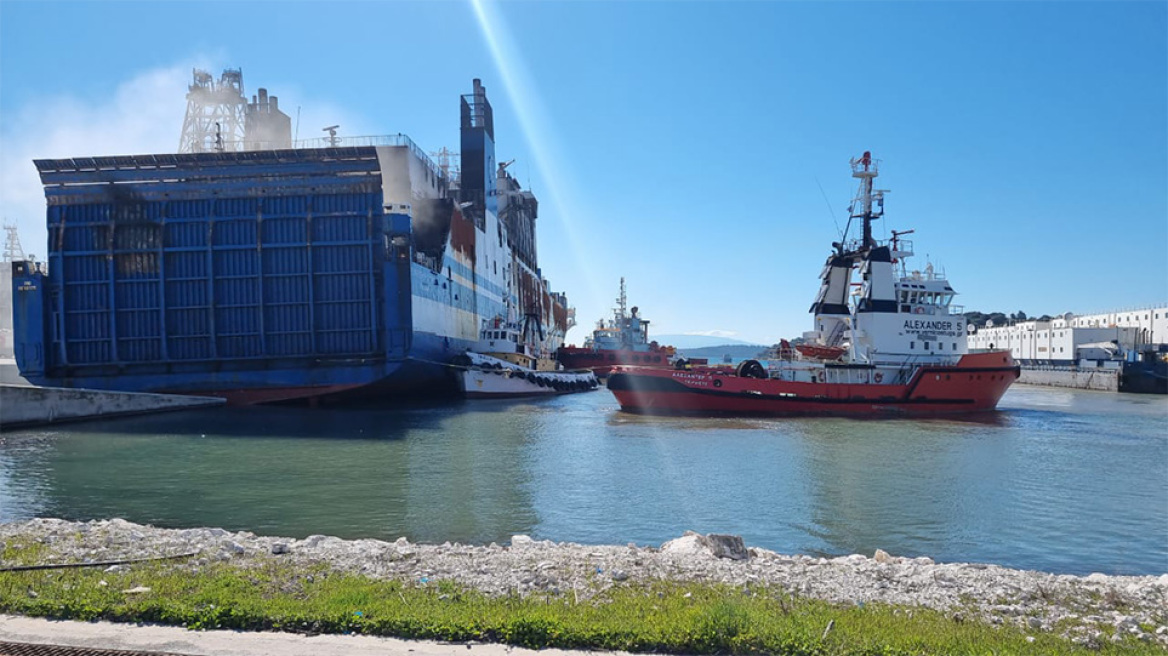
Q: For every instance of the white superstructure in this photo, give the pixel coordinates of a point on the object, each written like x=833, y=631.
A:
x=894, y=314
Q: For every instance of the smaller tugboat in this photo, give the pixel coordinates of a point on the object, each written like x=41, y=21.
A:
x=892, y=344
x=504, y=364
x=622, y=340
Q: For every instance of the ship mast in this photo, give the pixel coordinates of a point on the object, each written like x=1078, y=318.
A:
x=622, y=304
x=866, y=169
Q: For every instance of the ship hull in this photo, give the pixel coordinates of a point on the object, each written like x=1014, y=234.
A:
x=974, y=384
x=495, y=384
x=603, y=361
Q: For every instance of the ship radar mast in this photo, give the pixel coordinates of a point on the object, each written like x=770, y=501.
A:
x=866, y=169
x=621, y=304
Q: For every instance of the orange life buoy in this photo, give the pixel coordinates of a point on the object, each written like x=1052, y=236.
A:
x=878, y=377
x=919, y=310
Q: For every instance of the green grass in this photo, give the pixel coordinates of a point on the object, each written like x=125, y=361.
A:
x=665, y=617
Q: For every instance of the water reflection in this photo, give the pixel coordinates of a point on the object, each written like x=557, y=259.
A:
x=423, y=473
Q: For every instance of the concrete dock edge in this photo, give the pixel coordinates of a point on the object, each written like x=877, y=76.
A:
x=24, y=406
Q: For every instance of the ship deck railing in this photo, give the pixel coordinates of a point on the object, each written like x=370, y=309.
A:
x=372, y=140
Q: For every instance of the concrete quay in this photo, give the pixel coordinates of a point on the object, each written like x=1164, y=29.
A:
x=1103, y=380
x=22, y=406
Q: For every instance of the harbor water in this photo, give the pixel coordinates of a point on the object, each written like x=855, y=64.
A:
x=1057, y=480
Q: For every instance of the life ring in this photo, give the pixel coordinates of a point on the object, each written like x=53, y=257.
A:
x=821, y=376
x=919, y=310
x=878, y=377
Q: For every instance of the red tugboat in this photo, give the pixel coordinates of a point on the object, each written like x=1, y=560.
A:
x=896, y=345
x=623, y=340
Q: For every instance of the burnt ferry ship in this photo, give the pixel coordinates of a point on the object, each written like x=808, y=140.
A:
x=259, y=272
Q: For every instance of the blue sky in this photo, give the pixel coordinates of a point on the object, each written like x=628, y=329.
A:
x=682, y=144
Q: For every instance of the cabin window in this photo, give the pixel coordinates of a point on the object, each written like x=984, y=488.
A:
x=912, y=345
x=941, y=346
x=912, y=298
x=954, y=346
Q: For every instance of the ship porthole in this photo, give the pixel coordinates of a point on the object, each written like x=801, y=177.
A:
x=717, y=383
x=636, y=358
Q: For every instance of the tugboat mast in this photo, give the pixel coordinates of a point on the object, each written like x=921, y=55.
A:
x=866, y=169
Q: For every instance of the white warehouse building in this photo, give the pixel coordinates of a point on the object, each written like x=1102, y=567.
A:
x=1069, y=338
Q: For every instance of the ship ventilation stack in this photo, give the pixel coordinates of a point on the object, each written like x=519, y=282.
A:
x=266, y=127
x=478, y=155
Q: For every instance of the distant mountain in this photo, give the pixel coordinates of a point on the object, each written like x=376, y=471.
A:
x=698, y=341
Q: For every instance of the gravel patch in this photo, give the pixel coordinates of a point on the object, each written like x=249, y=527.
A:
x=1090, y=609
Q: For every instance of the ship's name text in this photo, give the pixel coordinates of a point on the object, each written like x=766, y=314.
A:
x=943, y=327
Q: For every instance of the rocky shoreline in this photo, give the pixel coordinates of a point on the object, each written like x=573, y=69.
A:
x=1090, y=610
